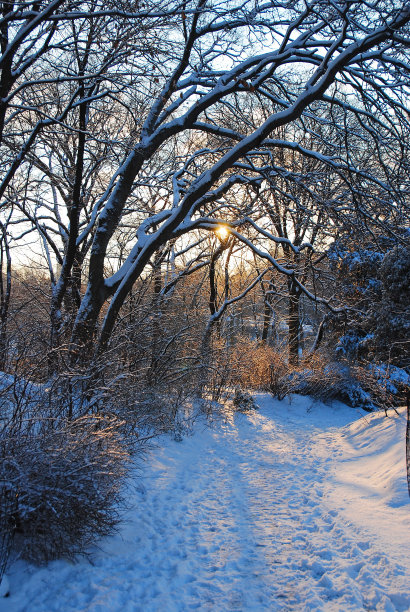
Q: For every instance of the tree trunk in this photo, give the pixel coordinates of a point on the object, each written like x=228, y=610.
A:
x=156, y=320
x=267, y=317
x=408, y=441
x=82, y=340
x=71, y=269
x=5, y=291
x=293, y=322
x=205, y=357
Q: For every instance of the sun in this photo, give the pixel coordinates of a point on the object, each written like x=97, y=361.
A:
x=222, y=232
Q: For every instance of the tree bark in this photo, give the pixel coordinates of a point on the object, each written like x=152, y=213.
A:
x=408, y=441
x=71, y=269
x=5, y=292
x=293, y=322
x=156, y=309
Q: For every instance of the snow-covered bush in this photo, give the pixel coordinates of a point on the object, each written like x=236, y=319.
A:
x=243, y=401
x=66, y=478
x=324, y=381
x=352, y=344
x=376, y=286
x=396, y=380
x=389, y=318
x=8, y=507
x=145, y=410
x=356, y=385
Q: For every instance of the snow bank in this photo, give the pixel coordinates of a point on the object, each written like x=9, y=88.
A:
x=370, y=477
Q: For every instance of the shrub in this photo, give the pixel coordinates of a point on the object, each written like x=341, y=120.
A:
x=243, y=401
x=331, y=381
x=358, y=386
x=66, y=478
x=255, y=365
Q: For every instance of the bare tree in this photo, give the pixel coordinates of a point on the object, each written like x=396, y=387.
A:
x=349, y=58
x=67, y=115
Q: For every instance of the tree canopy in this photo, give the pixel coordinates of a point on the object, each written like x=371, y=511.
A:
x=144, y=122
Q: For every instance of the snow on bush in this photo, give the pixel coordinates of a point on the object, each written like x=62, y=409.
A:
x=243, y=401
x=65, y=478
x=325, y=383
x=395, y=379
x=355, y=385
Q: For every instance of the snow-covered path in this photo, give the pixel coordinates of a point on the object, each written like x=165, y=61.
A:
x=242, y=516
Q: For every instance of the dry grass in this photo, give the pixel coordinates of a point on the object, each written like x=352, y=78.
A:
x=254, y=365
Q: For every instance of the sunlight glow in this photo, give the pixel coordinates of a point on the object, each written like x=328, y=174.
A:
x=222, y=232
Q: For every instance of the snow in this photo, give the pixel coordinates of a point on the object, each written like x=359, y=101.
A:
x=295, y=506
x=390, y=374
x=372, y=480
x=4, y=587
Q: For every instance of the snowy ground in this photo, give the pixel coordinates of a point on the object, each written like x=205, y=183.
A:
x=285, y=508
